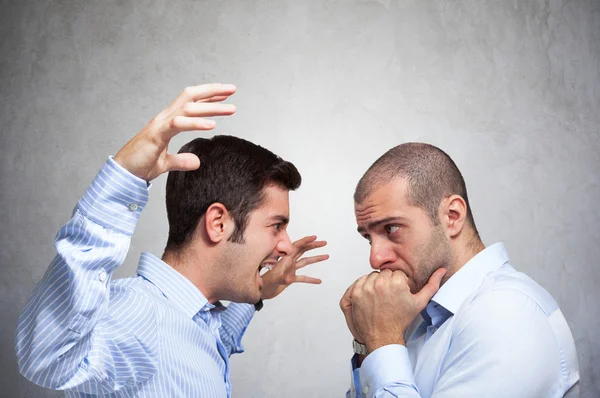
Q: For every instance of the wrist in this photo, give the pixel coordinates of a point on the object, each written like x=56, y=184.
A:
x=359, y=348
x=374, y=345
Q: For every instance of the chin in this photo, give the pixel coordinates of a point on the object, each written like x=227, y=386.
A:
x=251, y=298
x=256, y=297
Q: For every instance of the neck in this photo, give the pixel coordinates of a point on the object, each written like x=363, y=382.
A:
x=189, y=263
x=463, y=250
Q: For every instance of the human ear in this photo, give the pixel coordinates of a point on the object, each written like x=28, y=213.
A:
x=217, y=222
x=454, y=214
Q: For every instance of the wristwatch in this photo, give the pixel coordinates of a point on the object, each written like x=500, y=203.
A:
x=359, y=348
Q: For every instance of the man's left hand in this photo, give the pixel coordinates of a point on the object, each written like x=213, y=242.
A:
x=283, y=273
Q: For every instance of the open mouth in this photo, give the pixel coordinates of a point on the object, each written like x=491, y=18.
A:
x=265, y=267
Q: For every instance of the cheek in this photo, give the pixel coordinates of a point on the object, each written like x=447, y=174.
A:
x=265, y=244
x=408, y=249
x=404, y=254
x=416, y=241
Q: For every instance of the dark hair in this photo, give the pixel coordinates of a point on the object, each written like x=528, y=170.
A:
x=232, y=172
x=431, y=174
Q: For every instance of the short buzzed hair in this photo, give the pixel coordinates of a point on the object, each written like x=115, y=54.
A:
x=431, y=175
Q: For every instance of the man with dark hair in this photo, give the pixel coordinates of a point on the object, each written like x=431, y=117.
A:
x=164, y=333
x=488, y=331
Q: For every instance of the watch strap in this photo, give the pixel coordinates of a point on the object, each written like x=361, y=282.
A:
x=359, y=348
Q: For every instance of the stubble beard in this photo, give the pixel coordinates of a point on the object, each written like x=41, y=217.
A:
x=236, y=285
x=435, y=254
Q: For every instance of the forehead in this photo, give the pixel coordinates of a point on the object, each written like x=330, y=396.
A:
x=386, y=201
x=276, y=202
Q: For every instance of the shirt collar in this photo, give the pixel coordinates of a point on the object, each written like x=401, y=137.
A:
x=174, y=286
x=468, y=279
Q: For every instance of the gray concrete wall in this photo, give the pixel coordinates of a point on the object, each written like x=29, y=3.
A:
x=511, y=89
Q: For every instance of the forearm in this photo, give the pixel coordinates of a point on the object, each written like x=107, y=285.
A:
x=234, y=323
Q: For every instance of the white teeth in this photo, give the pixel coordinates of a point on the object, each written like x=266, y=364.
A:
x=264, y=268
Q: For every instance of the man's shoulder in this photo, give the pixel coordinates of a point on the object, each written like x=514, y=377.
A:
x=512, y=287
x=514, y=315
x=505, y=302
x=134, y=292
x=505, y=298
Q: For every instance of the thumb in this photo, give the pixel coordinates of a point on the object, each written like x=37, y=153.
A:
x=430, y=289
x=182, y=162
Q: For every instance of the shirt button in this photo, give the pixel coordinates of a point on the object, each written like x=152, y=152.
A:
x=133, y=206
x=365, y=389
x=102, y=276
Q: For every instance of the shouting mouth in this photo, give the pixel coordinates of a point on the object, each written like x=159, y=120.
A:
x=265, y=267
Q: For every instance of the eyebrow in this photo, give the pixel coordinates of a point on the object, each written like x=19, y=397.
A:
x=376, y=223
x=280, y=218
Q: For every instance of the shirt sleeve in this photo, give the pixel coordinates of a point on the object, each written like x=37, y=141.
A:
x=62, y=335
x=234, y=322
x=355, y=390
x=502, y=346
x=386, y=372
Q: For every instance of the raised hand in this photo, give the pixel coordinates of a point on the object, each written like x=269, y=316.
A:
x=146, y=156
x=283, y=273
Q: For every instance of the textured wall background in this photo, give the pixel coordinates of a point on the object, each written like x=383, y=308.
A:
x=511, y=89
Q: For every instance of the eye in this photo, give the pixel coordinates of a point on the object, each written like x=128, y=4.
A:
x=390, y=229
x=367, y=237
x=277, y=226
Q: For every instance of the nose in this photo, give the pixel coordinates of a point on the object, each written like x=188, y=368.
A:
x=381, y=254
x=284, y=246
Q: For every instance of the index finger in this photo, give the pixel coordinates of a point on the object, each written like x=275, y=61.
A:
x=303, y=262
x=348, y=294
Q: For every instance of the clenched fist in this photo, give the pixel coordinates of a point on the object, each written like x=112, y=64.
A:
x=379, y=307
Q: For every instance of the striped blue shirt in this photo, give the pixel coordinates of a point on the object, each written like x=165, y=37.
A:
x=152, y=335
x=489, y=331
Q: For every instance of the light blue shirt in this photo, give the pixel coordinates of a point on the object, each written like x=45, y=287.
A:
x=489, y=331
x=153, y=335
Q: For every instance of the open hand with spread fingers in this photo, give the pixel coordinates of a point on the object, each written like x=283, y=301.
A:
x=146, y=156
x=284, y=274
